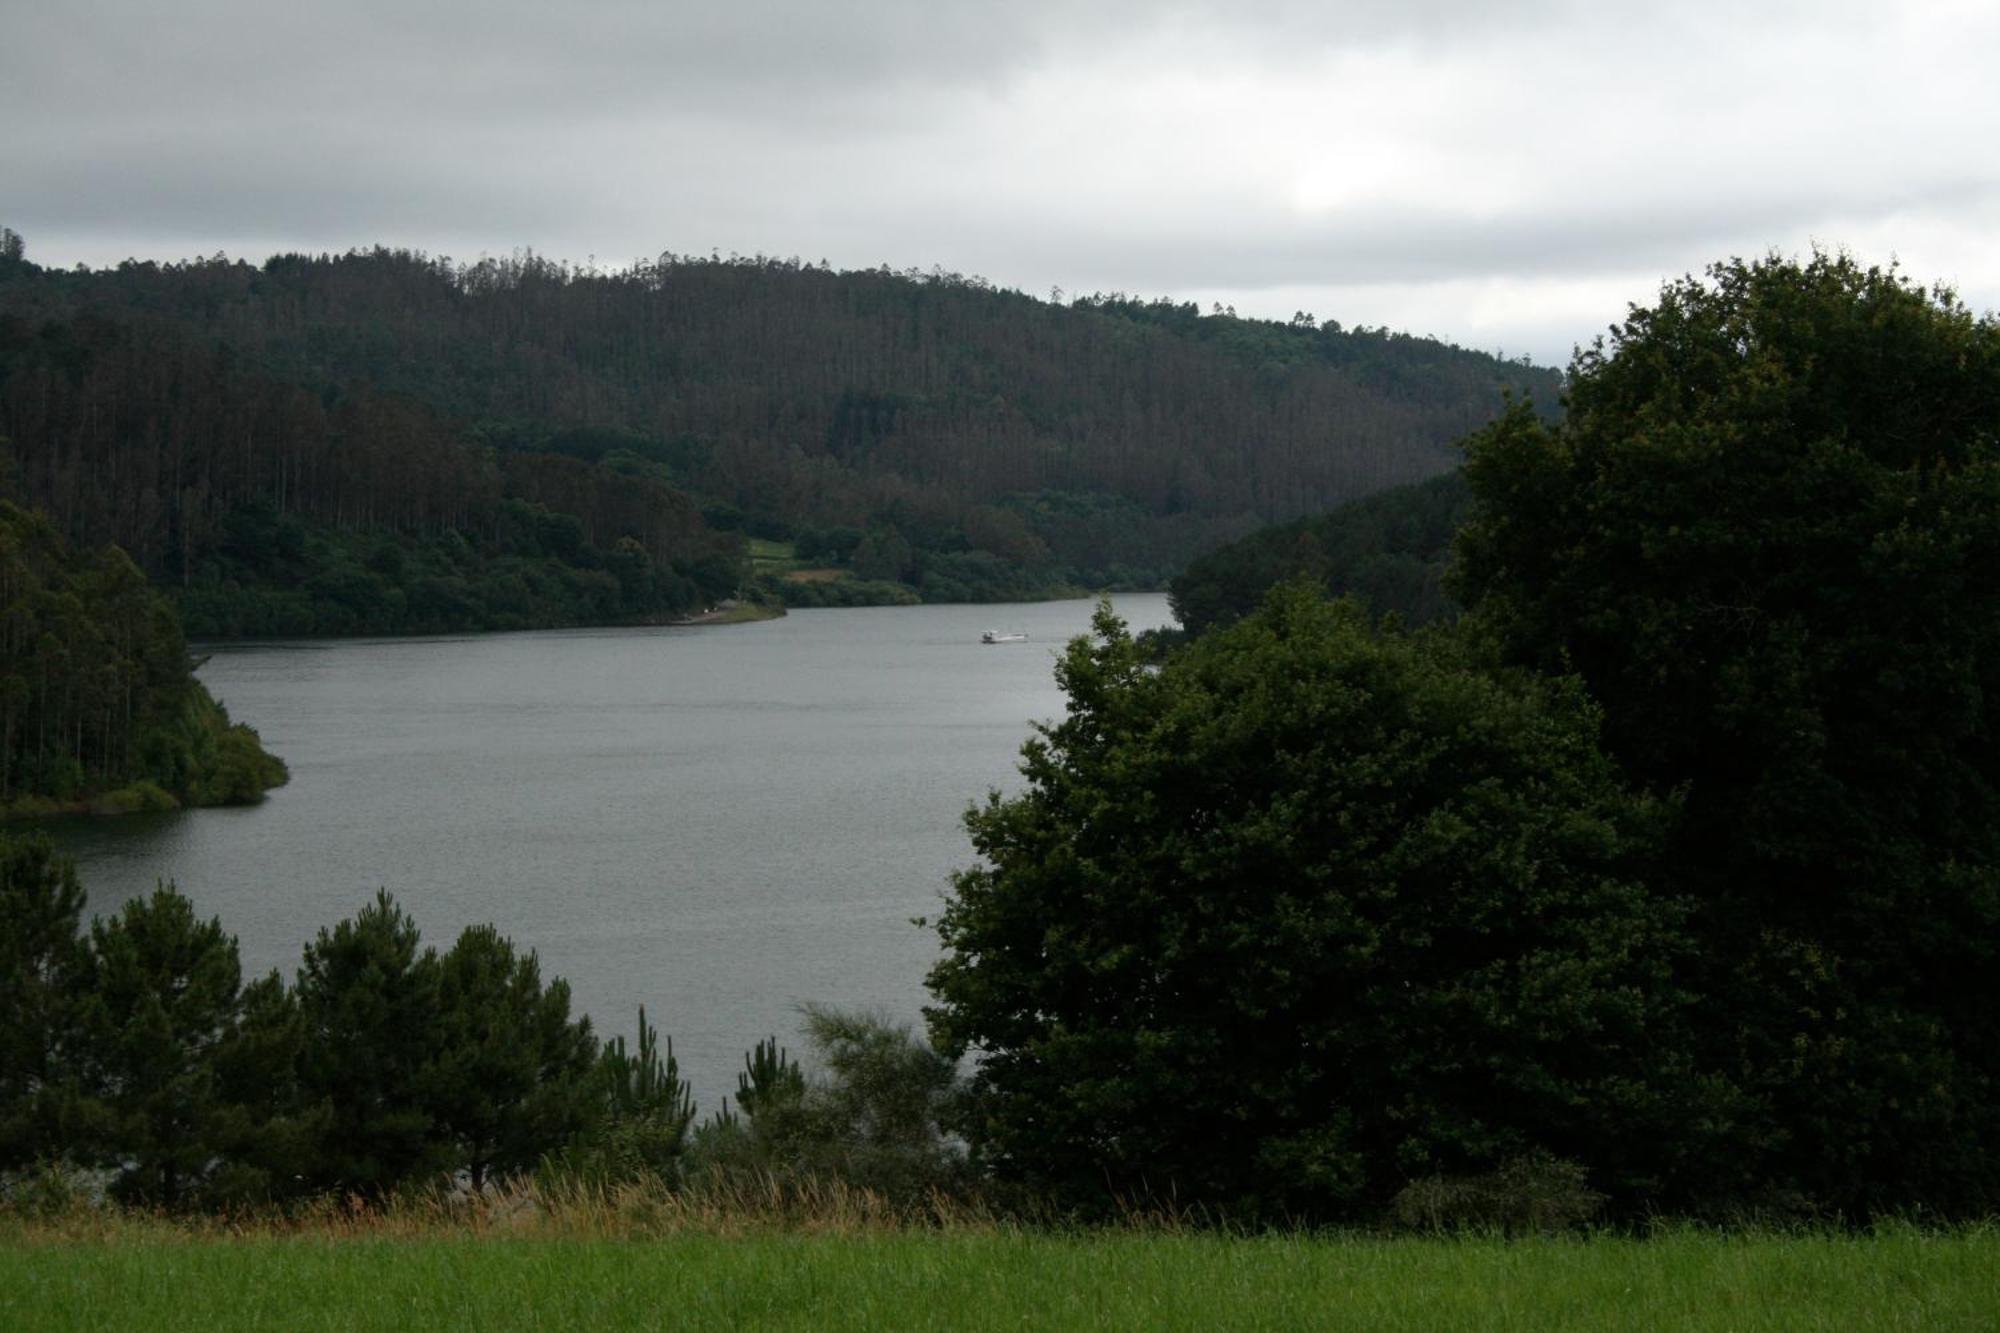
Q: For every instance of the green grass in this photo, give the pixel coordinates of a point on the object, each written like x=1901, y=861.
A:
x=157, y=1278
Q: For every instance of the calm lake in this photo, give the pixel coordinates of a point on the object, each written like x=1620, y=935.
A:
x=717, y=822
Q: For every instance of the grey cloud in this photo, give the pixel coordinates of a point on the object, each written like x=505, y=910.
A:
x=507, y=58
x=1037, y=141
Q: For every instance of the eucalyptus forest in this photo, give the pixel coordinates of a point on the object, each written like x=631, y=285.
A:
x=384, y=441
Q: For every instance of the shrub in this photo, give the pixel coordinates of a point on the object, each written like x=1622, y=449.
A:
x=1534, y=1194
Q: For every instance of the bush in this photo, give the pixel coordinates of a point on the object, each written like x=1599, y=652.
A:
x=141, y=795
x=51, y=1190
x=1536, y=1194
x=872, y=1120
x=638, y=1127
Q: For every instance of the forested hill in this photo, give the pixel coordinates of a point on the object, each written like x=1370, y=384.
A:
x=520, y=441
x=99, y=706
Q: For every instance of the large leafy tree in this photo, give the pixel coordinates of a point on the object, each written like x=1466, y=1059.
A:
x=1309, y=912
x=1766, y=536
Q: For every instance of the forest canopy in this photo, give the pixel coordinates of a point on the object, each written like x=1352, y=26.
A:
x=386, y=441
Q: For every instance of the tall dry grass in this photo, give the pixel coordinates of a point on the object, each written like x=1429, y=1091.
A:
x=737, y=1206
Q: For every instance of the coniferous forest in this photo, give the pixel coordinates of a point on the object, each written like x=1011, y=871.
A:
x=387, y=442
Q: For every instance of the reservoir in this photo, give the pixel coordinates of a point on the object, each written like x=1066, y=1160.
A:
x=716, y=822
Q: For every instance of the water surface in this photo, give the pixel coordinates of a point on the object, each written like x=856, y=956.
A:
x=718, y=822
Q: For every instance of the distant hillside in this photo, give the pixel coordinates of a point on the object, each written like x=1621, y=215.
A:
x=1388, y=550
x=420, y=425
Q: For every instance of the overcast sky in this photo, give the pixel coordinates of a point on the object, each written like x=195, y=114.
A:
x=1508, y=177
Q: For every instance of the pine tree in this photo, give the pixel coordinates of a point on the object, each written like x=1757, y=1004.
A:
x=42, y=961
x=368, y=1005
x=165, y=992
x=508, y=1081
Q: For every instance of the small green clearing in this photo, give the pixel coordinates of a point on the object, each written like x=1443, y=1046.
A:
x=779, y=561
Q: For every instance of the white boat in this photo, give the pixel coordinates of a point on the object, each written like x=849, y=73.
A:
x=1001, y=636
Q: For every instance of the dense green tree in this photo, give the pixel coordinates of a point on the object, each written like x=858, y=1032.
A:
x=164, y=992
x=137, y=1048
x=1306, y=913
x=1765, y=536
x=42, y=962
x=271, y=1135
x=509, y=1078
x=368, y=999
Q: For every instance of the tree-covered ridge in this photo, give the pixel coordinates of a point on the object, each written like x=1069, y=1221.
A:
x=1389, y=550
x=983, y=440
x=270, y=508
x=99, y=705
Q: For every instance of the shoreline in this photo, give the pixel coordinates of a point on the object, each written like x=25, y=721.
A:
x=739, y=613
x=731, y=612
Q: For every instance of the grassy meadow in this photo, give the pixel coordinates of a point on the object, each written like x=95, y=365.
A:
x=530, y=1266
